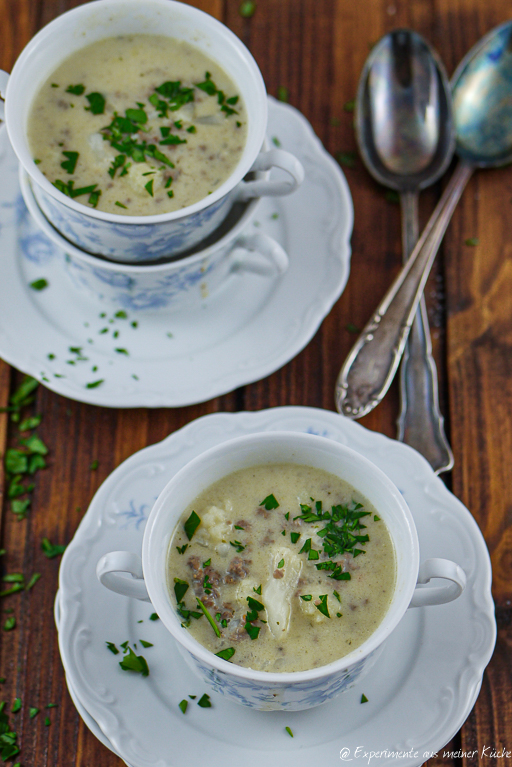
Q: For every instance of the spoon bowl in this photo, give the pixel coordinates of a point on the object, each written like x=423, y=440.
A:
x=482, y=100
x=403, y=120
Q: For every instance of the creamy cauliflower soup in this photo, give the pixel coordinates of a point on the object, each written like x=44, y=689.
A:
x=281, y=568
x=137, y=125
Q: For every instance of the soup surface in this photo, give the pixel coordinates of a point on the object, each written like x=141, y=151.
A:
x=281, y=567
x=138, y=125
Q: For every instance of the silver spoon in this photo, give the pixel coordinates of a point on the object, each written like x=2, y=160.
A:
x=481, y=91
x=404, y=129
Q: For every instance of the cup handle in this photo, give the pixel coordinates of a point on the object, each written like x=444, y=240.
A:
x=115, y=562
x=277, y=158
x=260, y=254
x=4, y=78
x=438, y=595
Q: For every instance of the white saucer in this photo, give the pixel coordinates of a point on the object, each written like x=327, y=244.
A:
x=246, y=330
x=419, y=694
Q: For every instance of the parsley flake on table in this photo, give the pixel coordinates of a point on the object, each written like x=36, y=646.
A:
x=204, y=701
x=472, y=242
x=282, y=93
x=247, y=9
x=33, y=711
x=154, y=617
x=51, y=550
x=16, y=706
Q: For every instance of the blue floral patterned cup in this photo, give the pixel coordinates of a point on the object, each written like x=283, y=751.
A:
x=261, y=689
x=172, y=284
x=143, y=238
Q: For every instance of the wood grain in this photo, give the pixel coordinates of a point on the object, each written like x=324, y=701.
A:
x=315, y=49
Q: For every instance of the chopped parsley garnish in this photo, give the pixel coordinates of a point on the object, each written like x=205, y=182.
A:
x=76, y=90
x=280, y=564
x=288, y=730
x=16, y=706
x=322, y=607
x=120, y=205
x=116, y=163
x=269, y=502
x=207, y=563
x=94, y=465
x=306, y=597
x=376, y=518
x=182, y=549
x=96, y=103
x=94, y=384
x=257, y=590
x=348, y=159
x=33, y=711
x=175, y=94
x=472, y=241
x=154, y=617
x=122, y=351
x=183, y=705
x=191, y=525
x=192, y=129
x=237, y=545
x=294, y=537
x=282, y=93
x=10, y=624
x=180, y=589
x=145, y=644
x=335, y=594
x=226, y=654
x=172, y=140
x=313, y=554
x=133, y=662
x=342, y=525
x=204, y=701
x=111, y=646
x=40, y=284
x=350, y=105
x=32, y=582
x=208, y=617
x=364, y=699
x=276, y=141
x=51, y=550
x=247, y=8
x=69, y=165
x=149, y=187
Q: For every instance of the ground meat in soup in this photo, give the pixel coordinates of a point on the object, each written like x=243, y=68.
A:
x=293, y=565
x=138, y=125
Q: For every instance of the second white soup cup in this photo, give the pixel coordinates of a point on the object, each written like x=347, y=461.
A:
x=173, y=284
x=147, y=578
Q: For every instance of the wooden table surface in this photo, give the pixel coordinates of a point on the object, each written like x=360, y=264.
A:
x=315, y=49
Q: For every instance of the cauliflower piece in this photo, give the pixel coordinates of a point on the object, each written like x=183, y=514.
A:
x=215, y=528
x=278, y=591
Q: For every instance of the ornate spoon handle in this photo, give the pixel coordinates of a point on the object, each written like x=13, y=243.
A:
x=420, y=423
x=372, y=363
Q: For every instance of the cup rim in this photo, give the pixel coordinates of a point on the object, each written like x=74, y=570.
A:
x=394, y=614
x=97, y=262
x=19, y=140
